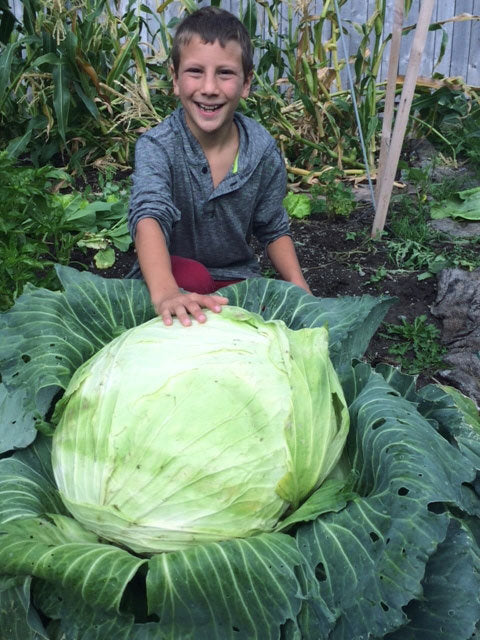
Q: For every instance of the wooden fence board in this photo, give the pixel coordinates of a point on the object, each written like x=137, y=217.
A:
x=461, y=57
x=461, y=40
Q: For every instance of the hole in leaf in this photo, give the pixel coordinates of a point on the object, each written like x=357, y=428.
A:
x=384, y=606
x=236, y=629
x=436, y=507
x=320, y=572
x=378, y=423
x=26, y=358
x=403, y=491
x=373, y=536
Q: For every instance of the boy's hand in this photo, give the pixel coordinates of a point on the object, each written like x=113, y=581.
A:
x=187, y=305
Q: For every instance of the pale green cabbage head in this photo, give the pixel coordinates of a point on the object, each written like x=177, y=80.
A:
x=173, y=436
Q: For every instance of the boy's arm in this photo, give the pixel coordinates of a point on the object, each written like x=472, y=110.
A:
x=167, y=298
x=284, y=258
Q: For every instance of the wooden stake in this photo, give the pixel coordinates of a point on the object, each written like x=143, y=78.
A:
x=401, y=121
x=398, y=13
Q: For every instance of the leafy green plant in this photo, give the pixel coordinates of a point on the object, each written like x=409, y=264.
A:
x=416, y=345
x=74, y=83
x=339, y=199
x=40, y=227
x=268, y=375
x=429, y=259
x=402, y=506
x=298, y=205
x=450, y=118
x=380, y=274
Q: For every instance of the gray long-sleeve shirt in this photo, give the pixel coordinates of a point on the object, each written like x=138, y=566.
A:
x=172, y=184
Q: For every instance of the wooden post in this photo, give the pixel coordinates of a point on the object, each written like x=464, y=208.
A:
x=403, y=112
x=398, y=13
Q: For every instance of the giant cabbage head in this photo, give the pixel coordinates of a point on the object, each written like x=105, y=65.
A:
x=169, y=437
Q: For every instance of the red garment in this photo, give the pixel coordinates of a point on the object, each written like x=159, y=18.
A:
x=193, y=276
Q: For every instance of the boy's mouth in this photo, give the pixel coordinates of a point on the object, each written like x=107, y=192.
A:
x=209, y=108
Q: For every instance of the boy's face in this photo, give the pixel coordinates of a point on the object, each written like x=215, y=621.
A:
x=209, y=84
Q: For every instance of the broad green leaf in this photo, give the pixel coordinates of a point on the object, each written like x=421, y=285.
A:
x=239, y=589
x=96, y=573
x=49, y=334
x=466, y=406
x=440, y=407
x=298, y=205
x=463, y=204
x=122, y=62
x=370, y=557
x=7, y=24
x=105, y=258
x=331, y=496
x=17, y=146
x=17, y=427
x=25, y=493
x=249, y=18
x=27, y=487
x=18, y=619
x=439, y=613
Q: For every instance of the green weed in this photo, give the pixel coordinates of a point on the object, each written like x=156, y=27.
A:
x=416, y=345
x=332, y=196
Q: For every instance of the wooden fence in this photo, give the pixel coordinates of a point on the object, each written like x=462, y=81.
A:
x=462, y=56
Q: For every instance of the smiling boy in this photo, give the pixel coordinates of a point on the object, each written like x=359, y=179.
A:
x=207, y=178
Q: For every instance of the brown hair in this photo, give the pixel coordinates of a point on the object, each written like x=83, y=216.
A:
x=211, y=24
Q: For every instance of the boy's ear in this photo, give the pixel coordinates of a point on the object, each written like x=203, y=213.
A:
x=174, y=79
x=247, y=84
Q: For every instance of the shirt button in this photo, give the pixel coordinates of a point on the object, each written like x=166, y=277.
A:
x=204, y=169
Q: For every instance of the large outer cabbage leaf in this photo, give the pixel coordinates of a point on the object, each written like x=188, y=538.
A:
x=169, y=436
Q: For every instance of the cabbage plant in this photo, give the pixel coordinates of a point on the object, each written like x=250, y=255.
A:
x=387, y=546
x=170, y=437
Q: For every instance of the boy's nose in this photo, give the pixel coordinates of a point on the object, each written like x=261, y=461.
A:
x=210, y=85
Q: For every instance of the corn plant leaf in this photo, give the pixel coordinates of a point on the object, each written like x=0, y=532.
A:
x=122, y=62
x=7, y=23
x=249, y=18
x=61, y=96
x=6, y=59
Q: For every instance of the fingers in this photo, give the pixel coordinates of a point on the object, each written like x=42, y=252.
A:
x=186, y=306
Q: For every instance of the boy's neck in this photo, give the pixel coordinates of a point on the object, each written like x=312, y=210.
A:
x=217, y=141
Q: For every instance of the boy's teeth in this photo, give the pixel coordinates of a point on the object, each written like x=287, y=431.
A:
x=210, y=107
